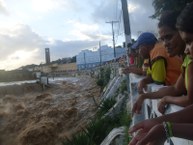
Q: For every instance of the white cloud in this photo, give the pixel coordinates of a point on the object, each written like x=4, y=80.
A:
x=132, y=8
x=47, y=5
x=3, y=7
x=83, y=31
x=21, y=58
x=65, y=26
x=21, y=46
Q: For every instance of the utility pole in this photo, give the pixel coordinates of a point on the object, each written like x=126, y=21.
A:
x=127, y=31
x=126, y=23
x=84, y=60
x=112, y=23
x=100, y=56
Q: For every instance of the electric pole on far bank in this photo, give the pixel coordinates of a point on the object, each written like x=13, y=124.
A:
x=112, y=23
x=100, y=55
x=85, y=60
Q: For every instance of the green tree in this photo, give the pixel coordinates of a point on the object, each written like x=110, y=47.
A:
x=162, y=5
x=73, y=59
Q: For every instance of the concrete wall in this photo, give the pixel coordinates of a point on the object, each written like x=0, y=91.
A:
x=57, y=68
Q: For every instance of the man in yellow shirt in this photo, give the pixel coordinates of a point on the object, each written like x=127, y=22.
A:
x=162, y=68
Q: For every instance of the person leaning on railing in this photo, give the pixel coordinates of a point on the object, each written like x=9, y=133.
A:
x=162, y=68
x=177, y=124
x=136, y=70
x=175, y=47
x=136, y=64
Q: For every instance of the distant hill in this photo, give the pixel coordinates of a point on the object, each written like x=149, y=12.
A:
x=65, y=60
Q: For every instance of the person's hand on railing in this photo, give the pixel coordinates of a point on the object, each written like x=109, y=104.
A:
x=142, y=85
x=155, y=136
x=138, y=104
x=162, y=105
x=132, y=69
x=138, y=137
x=147, y=132
x=127, y=70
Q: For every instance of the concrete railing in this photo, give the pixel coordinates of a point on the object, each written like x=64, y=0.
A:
x=149, y=108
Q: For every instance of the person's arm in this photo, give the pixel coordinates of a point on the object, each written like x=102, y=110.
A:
x=176, y=90
x=185, y=117
x=157, y=134
x=180, y=100
x=183, y=130
x=133, y=69
x=155, y=74
x=190, y=83
x=188, y=99
x=136, y=70
x=145, y=126
x=143, y=83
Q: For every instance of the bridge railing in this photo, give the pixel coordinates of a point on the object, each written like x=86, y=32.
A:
x=149, y=108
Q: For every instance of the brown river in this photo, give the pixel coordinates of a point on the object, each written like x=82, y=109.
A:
x=32, y=116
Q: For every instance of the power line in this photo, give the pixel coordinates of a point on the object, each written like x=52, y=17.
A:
x=119, y=26
x=116, y=8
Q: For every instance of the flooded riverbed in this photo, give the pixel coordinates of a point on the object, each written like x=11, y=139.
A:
x=30, y=116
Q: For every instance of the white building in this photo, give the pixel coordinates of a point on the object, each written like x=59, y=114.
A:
x=88, y=59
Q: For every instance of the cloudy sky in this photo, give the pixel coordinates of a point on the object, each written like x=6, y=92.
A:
x=27, y=27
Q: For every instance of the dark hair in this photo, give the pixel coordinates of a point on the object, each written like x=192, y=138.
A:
x=168, y=18
x=185, y=19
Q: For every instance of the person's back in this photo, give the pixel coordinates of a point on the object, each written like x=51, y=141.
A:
x=158, y=62
x=173, y=69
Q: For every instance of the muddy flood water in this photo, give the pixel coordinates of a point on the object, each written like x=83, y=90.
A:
x=31, y=116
